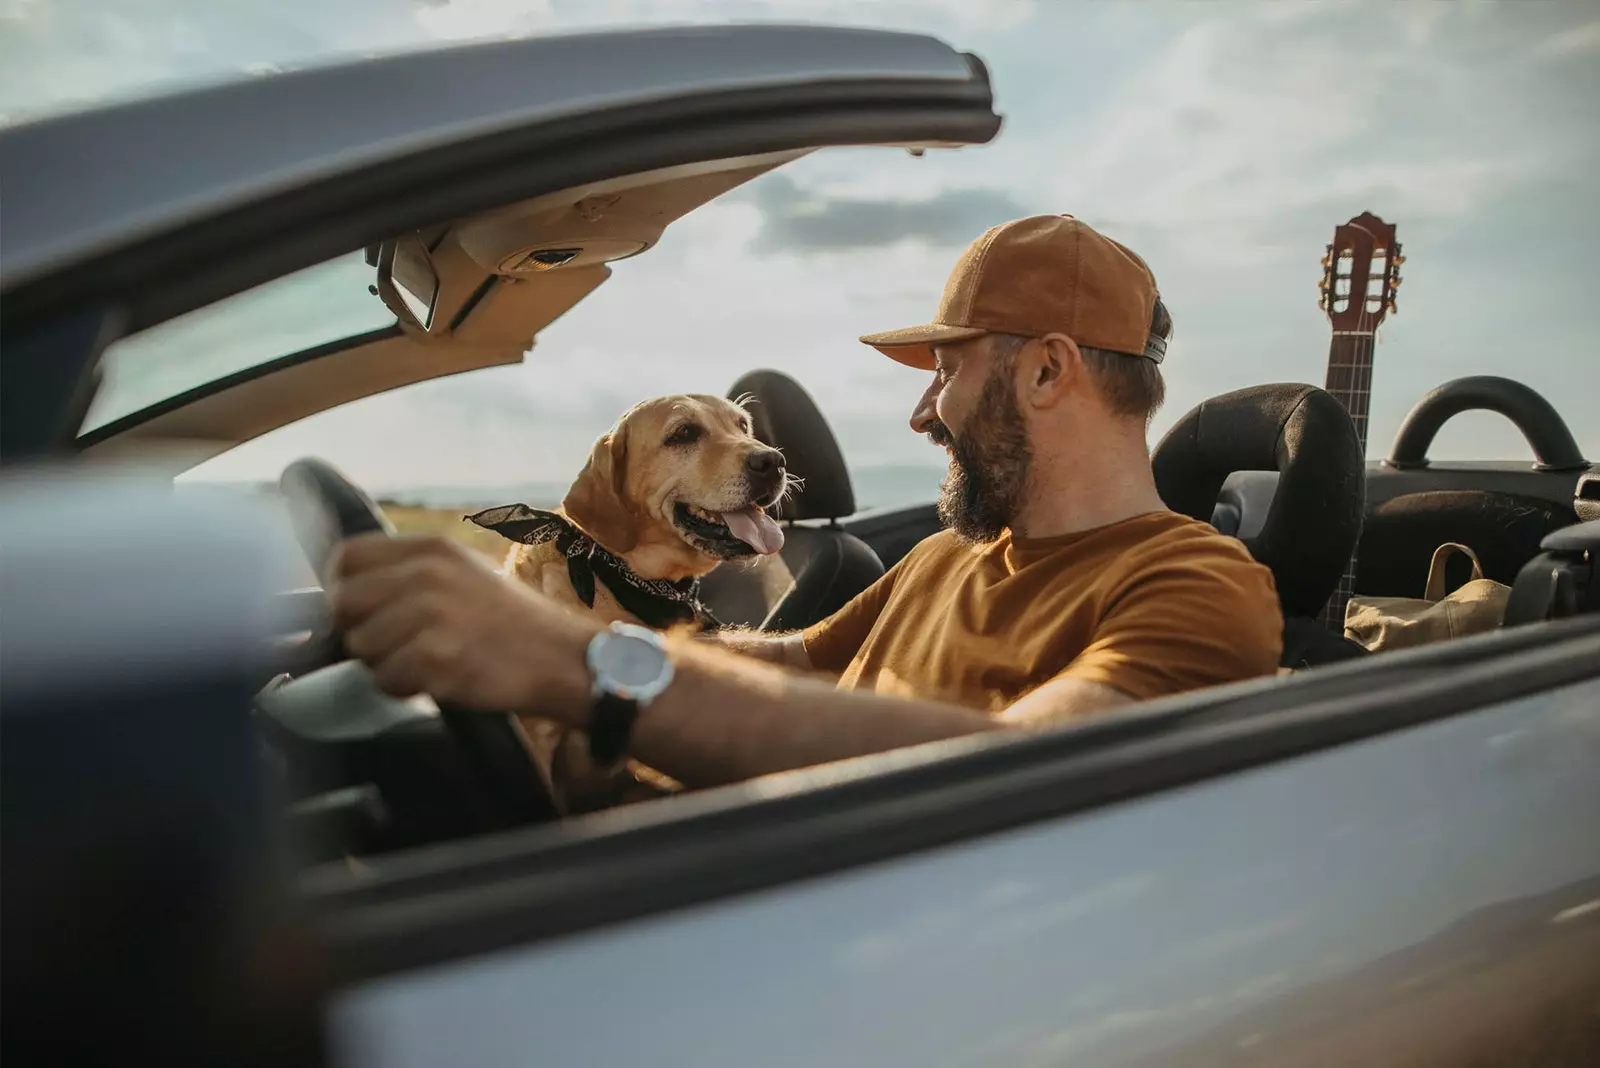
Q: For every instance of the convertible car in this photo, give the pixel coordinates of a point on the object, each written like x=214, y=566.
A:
x=222, y=845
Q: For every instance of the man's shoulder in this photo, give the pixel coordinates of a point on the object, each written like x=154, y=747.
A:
x=1172, y=533
x=1175, y=543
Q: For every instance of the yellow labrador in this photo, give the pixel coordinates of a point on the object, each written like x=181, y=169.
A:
x=677, y=487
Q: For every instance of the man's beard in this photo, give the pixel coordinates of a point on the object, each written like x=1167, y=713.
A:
x=989, y=462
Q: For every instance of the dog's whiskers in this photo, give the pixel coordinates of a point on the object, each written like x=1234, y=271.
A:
x=791, y=484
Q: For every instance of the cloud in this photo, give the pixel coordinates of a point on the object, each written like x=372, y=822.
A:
x=463, y=19
x=1250, y=124
x=794, y=220
x=1247, y=118
x=1576, y=41
x=70, y=53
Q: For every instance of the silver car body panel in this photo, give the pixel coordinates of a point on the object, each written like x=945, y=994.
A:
x=1417, y=897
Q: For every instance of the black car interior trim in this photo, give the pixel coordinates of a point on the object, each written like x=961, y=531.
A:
x=1554, y=447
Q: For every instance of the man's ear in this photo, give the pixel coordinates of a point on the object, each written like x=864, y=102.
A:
x=596, y=501
x=1048, y=369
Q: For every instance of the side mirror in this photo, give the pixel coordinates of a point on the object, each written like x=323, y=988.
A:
x=407, y=282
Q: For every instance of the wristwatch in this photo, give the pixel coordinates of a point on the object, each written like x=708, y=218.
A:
x=629, y=667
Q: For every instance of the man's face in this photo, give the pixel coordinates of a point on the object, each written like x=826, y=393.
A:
x=971, y=409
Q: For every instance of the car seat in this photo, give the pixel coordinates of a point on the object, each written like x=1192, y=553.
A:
x=820, y=567
x=1311, y=528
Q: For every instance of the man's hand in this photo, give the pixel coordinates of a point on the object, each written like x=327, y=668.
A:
x=429, y=616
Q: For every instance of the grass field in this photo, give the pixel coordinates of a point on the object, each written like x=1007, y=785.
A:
x=447, y=521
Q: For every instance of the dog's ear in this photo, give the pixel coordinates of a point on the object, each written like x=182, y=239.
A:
x=596, y=501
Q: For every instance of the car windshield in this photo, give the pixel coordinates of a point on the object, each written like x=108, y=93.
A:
x=304, y=311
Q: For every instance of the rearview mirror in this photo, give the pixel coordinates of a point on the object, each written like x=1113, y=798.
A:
x=407, y=282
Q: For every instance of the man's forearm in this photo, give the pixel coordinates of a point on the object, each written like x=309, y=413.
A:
x=724, y=719
x=785, y=650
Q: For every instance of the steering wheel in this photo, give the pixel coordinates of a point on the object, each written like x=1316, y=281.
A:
x=324, y=509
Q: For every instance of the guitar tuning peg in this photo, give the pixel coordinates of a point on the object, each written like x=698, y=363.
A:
x=1392, y=308
x=1394, y=282
x=1398, y=259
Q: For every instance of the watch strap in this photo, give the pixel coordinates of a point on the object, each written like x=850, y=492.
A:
x=610, y=727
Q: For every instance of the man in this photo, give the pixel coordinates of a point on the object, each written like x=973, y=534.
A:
x=1062, y=588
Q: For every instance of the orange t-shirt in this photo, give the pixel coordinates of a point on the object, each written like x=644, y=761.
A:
x=1152, y=605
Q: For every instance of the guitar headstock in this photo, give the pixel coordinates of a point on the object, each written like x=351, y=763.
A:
x=1360, y=272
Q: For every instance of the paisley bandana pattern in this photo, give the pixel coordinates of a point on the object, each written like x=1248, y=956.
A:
x=657, y=603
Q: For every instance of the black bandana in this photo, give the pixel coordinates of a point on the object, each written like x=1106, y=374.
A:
x=655, y=602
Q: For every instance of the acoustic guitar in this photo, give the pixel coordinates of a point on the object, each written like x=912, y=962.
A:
x=1360, y=273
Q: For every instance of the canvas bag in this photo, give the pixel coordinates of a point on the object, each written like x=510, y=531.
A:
x=1381, y=623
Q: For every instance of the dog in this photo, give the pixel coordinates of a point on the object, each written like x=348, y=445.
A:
x=679, y=486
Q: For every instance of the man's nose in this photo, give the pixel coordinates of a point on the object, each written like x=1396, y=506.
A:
x=926, y=413
x=765, y=463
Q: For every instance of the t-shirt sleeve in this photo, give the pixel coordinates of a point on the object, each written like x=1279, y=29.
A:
x=832, y=643
x=1186, y=618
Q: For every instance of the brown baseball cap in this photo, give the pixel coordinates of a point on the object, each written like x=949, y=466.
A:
x=1040, y=275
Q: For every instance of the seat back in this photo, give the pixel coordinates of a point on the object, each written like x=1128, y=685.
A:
x=1311, y=528
x=820, y=567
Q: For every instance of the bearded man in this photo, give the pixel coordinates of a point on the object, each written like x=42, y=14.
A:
x=1061, y=588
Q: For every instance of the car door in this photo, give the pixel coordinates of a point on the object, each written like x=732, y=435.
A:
x=1391, y=863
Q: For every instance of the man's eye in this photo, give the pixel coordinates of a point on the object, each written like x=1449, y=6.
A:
x=687, y=434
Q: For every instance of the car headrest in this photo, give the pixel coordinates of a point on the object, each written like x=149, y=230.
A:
x=1305, y=435
x=786, y=418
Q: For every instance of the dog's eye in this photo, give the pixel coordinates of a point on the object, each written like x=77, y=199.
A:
x=686, y=434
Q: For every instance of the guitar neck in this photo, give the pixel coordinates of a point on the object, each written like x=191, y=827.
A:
x=1350, y=380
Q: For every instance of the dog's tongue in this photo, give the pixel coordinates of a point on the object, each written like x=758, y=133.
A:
x=756, y=529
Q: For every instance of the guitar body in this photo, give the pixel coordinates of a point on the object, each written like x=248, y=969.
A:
x=1360, y=272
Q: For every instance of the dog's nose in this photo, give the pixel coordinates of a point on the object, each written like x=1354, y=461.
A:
x=764, y=462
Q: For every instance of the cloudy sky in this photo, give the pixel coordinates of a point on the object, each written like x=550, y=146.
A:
x=1223, y=141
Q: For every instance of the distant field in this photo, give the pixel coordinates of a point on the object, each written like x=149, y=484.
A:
x=447, y=521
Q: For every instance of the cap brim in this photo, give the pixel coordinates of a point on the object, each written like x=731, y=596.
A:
x=913, y=345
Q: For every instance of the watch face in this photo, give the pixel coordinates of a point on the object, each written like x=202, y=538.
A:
x=630, y=662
